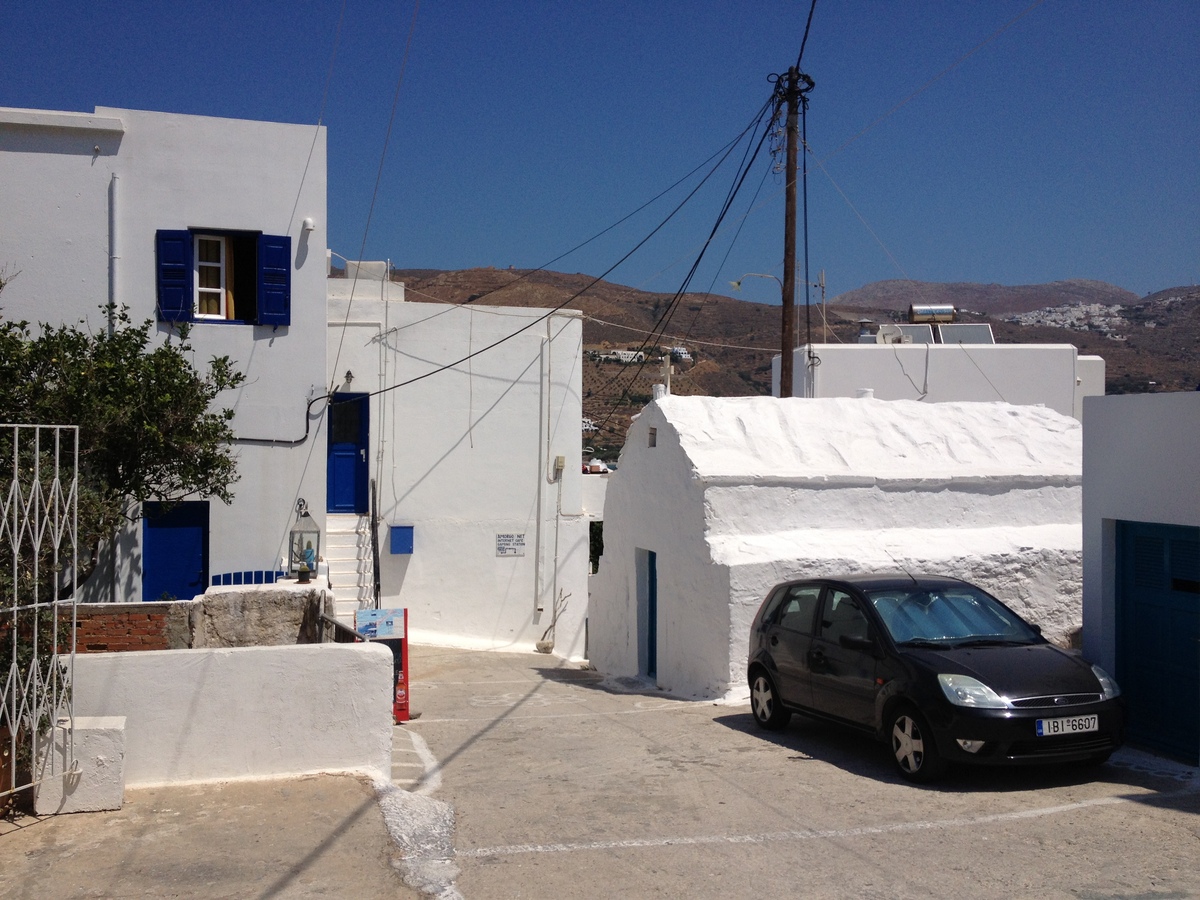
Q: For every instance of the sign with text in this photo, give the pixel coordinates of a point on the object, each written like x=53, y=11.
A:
x=510, y=544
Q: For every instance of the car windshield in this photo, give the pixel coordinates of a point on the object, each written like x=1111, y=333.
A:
x=951, y=615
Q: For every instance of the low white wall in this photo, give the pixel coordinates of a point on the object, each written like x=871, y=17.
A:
x=244, y=713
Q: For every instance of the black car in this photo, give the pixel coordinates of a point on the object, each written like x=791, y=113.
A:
x=938, y=668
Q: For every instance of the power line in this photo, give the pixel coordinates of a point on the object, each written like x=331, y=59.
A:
x=807, y=26
x=378, y=175
x=939, y=76
x=590, y=284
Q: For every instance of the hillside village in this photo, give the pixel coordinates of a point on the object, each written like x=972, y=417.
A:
x=410, y=454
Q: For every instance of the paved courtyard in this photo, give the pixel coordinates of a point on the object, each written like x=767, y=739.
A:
x=565, y=784
x=527, y=777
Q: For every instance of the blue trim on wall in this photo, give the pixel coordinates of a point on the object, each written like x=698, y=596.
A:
x=257, y=576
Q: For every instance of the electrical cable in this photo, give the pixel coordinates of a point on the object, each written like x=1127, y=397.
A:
x=665, y=320
x=723, y=149
x=378, y=178
x=574, y=296
x=807, y=26
x=939, y=76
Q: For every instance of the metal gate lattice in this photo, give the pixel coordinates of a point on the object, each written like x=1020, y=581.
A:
x=38, y=591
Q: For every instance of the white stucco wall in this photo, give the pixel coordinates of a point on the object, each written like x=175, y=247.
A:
x=1139, y=465
x=740, y=494
x=1053, y=375
x=654, y=503
x=468, y=453
x=255, y=712
x=78, y=188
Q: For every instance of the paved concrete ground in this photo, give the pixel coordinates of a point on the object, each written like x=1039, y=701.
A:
x=565, y=785
x=528, y=777
x=311, y=837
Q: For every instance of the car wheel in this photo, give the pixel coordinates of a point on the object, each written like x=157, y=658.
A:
x=913, y=747
x=764, y=702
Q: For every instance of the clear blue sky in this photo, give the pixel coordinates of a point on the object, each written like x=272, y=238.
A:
x=1067, y=147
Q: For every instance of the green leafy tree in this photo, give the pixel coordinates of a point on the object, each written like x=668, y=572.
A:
x=148, y=426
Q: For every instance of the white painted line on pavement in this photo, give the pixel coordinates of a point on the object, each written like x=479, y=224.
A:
x=431, y=778
x=770, y=837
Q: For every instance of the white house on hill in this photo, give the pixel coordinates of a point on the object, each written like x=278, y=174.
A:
x=715, y=500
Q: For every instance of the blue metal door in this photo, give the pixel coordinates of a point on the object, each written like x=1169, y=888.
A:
x=175, y=550
x=652, y=614
x=346, y=473
x=1158, y=635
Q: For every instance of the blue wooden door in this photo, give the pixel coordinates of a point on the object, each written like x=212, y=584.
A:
x=1158, y=636
x=174, y=550
x=349, y=426
x=652, y=614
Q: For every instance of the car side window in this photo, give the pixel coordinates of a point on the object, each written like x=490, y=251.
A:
x=799, y=608
x=842, y=618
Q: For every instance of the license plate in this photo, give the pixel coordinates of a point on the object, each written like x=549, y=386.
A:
x=1067, y=725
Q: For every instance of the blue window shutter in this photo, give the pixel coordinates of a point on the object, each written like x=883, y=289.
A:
x=274, y=279
x=174, y=275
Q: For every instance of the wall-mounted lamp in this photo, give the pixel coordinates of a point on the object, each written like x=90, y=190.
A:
x=309, y=224
x=349, y=379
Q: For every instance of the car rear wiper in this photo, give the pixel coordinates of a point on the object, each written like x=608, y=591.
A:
x=923, y=642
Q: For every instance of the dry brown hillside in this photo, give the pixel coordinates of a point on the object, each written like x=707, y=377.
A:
x=1148, y=344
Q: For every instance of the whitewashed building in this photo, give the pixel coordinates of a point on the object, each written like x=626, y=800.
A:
x=1056, y=376
x=216, y=222
x=463, y=423
x=714, y=501
x=1141, y=561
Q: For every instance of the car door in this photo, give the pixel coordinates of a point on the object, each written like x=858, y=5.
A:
x=842, y=678
x=788, y=639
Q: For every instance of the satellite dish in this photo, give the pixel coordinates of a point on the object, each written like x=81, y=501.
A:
x=891, y=334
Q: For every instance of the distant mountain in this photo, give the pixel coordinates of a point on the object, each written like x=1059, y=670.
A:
x=984, y=298
x=1148, y=344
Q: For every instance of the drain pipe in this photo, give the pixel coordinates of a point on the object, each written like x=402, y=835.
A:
x=113, y=258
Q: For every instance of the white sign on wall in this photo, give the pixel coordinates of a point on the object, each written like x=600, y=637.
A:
x=510, y=544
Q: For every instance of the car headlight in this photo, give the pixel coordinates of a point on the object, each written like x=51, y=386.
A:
x=963, y=690
x=1107, y=683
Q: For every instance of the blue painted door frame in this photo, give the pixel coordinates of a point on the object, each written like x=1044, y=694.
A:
x=1158, y=635
x=174, y=550
x=347, y=470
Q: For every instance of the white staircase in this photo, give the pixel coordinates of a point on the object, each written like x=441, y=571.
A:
x=348, y=553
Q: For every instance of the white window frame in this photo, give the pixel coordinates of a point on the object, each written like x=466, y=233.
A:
x=221, y=266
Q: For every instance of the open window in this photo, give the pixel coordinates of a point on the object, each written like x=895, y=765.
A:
x=224, y=276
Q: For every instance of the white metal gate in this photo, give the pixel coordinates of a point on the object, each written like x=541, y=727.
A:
x=38, y=581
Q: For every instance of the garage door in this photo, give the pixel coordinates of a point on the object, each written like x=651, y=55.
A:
x=1158, y=635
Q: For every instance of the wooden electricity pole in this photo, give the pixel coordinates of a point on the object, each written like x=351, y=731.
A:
x=788, y=339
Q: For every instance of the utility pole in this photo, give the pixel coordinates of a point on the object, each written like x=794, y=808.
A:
x=791, y=94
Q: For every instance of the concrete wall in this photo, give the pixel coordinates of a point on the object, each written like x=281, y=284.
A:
x=1139, y=465
x=1023, y=374
x=260, y=712
x=81, y=198
x=467, y=454
x=225, y=617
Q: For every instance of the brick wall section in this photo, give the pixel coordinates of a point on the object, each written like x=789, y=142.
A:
x=118, y=627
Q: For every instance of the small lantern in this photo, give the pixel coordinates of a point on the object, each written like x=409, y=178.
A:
x=304, y=542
